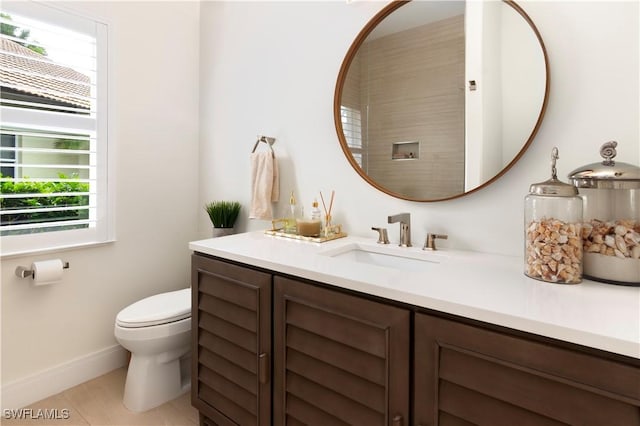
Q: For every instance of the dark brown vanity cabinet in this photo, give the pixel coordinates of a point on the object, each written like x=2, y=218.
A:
x=272, y=350
x=231, y=349
x=468, y=375
x=339, y=359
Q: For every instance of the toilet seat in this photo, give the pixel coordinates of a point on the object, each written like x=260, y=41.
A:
x=159, y=309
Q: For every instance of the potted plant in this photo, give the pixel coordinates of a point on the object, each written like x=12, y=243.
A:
x=223, y=215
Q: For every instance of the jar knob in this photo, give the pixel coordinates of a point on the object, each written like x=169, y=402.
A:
x=608, y=152
x=554, y=157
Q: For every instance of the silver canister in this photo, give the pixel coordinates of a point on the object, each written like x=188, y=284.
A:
x=553, y=218
x=611, y=230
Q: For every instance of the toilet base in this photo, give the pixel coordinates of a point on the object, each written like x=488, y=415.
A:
x=153, y=380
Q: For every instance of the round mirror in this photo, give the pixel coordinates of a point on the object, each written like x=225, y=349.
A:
x=437, y=99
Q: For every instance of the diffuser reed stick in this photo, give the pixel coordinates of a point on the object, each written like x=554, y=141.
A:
x=324, y=206
x=333, y=193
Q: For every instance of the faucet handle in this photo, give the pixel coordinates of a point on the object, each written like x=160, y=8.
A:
x=383, y=238
x=430, y=242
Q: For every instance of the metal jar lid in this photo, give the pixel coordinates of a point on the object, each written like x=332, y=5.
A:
x=553, y=186
x=607, y=174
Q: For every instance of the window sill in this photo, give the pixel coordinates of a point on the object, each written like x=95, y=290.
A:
x=59, y=249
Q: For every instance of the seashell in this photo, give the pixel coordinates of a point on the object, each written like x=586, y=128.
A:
x=635, y=252
x=621, y=245
x=632, y=238
x=562, y=239
x=627, y=223
x=620, y=230
x=594, y=248
x=575, y=242
x=610, y=241
x=597, y=238
x=619, y=254
x=586, y=231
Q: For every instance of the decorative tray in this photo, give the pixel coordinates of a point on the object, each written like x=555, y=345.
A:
x=320, y=239
x=334, y=234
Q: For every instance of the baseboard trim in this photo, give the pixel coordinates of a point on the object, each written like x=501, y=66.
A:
x=49, y=382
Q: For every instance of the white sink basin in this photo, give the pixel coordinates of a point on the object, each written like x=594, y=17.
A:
x=401, y=258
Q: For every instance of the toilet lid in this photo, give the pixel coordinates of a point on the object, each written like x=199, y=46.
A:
x=158, y=309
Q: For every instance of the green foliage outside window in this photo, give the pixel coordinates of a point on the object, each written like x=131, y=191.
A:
x=33, y=200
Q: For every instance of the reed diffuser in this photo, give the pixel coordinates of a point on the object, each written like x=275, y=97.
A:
x=328, y=228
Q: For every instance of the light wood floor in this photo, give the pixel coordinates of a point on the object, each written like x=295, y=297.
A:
x=99, y=402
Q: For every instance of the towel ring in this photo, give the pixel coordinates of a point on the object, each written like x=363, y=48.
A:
x=266, y=139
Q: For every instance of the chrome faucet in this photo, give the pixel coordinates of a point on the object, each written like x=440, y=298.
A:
x=405, y=227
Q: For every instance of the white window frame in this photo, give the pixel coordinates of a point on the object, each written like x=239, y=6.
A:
x=352, y=128
x=103, y=229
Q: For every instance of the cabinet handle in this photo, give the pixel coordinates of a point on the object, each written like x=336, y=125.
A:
x=263, y=367
x=397, y=420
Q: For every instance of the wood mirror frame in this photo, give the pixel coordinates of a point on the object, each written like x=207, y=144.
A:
x=351, y=53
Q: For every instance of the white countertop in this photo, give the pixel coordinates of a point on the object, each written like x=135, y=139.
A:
x=483, y=287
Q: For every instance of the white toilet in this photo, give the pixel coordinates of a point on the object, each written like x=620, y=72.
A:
x=157, y=332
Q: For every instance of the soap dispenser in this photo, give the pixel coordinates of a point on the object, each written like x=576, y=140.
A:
x=553, y=218
x=290, y=227
x=316, y=213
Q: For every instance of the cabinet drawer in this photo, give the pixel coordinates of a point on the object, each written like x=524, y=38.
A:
x=470, y=374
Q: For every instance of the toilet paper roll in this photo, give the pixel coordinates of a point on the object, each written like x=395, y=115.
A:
x=47, y=272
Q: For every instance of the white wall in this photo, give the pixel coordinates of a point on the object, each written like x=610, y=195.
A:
x=154, y=88
x=523, y=82
x=271, y=68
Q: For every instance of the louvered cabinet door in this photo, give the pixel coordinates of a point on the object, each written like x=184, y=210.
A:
x=231, y=326
x=339, y=359
x=467, y=375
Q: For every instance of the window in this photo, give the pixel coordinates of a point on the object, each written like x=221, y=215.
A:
x=54, y=131
x=352, y=128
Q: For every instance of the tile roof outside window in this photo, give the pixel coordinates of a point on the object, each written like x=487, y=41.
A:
x=26, y=71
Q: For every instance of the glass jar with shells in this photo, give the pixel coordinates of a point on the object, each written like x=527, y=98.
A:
x=611, y=229
x=553, y=219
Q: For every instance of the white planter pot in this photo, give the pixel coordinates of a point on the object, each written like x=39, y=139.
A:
x=221, y=232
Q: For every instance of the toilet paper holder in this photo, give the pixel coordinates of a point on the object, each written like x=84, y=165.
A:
x=23, y=272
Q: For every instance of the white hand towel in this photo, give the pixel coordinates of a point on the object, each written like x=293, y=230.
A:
x=265, y=187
